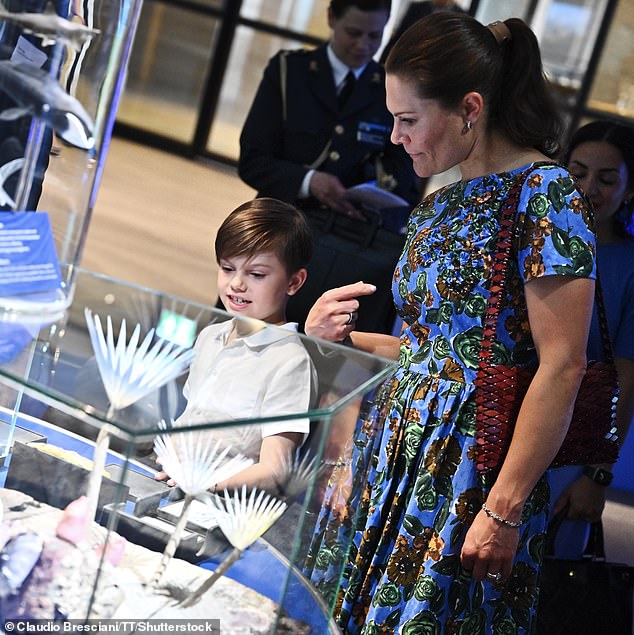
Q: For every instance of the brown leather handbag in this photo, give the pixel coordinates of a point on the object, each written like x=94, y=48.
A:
x=500, y=390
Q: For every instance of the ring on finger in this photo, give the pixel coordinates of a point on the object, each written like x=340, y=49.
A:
x=494, y=577
x=350, y=318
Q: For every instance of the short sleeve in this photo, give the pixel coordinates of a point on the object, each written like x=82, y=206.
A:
x=554, y=222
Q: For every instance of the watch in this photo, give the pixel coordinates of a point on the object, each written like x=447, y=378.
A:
x=598, y=475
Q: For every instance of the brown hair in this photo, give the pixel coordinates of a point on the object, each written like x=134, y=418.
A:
x=447, y=55
x=266, y=225
x=620, y=137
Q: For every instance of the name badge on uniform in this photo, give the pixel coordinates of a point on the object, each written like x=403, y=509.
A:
x=373, y=133
x=28, y=259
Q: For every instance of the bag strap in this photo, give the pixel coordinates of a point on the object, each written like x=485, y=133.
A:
x=283, y=83
x=499, y=267
x=595, y=546
x=500, y=262
x=323, y=155
x=606, y=342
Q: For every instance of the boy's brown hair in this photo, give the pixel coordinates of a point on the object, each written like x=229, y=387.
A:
x=266, y=225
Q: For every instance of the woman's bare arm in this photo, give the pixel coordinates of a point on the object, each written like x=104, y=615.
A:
x=275, y=452
x=559, y=310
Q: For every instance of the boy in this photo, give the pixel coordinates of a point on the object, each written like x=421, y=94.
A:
x=242, y=369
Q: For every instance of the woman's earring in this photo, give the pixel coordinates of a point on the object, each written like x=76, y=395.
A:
x=467, y=126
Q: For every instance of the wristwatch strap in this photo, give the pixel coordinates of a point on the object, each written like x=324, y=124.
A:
x=598, y=475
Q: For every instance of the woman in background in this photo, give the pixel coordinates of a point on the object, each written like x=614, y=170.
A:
x=601, y=157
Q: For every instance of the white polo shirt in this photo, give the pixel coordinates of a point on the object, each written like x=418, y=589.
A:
x=267, y=373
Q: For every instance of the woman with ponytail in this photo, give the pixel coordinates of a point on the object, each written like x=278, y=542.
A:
x=437, y=545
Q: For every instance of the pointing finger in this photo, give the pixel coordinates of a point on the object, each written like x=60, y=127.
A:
x=351, y=291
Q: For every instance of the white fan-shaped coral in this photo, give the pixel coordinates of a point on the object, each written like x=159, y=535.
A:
x=130, y=370
x=244, y=518
x=297, y=473
x=195, y=461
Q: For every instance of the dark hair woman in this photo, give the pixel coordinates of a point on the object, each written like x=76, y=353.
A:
x=437, y=545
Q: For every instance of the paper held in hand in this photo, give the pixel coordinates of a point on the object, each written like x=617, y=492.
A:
x=373, y=197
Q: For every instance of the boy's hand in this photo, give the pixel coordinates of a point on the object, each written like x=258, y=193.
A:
x=164, y=476
x=334, y=315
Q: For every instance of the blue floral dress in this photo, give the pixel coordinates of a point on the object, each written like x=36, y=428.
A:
x=390, y=563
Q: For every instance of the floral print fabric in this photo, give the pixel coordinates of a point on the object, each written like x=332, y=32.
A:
x=390, y=558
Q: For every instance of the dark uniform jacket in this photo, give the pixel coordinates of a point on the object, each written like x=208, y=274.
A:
x=294, y=125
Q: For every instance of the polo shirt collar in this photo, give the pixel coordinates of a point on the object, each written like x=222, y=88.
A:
x=263, y=334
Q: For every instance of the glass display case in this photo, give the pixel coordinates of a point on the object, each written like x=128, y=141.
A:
x=101, y=399
x=62, y=68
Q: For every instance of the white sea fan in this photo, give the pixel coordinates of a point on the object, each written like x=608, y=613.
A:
x=243, y=517
x=297, y=473
x=130, y=371
x=195, y=461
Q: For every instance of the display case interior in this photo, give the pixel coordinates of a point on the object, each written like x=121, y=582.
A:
x=256, y=446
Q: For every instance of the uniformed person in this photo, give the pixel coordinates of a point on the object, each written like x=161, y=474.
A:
x=298, y=143
x=319, y=125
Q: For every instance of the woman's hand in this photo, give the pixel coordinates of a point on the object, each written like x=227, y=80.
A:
x=489, y=548
x=585, y=500
x=334, y=315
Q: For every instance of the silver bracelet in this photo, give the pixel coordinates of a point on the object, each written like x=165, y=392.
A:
x=503, y=521
x=337, y=463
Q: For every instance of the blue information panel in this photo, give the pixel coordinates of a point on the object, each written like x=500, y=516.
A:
x=28, y=260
